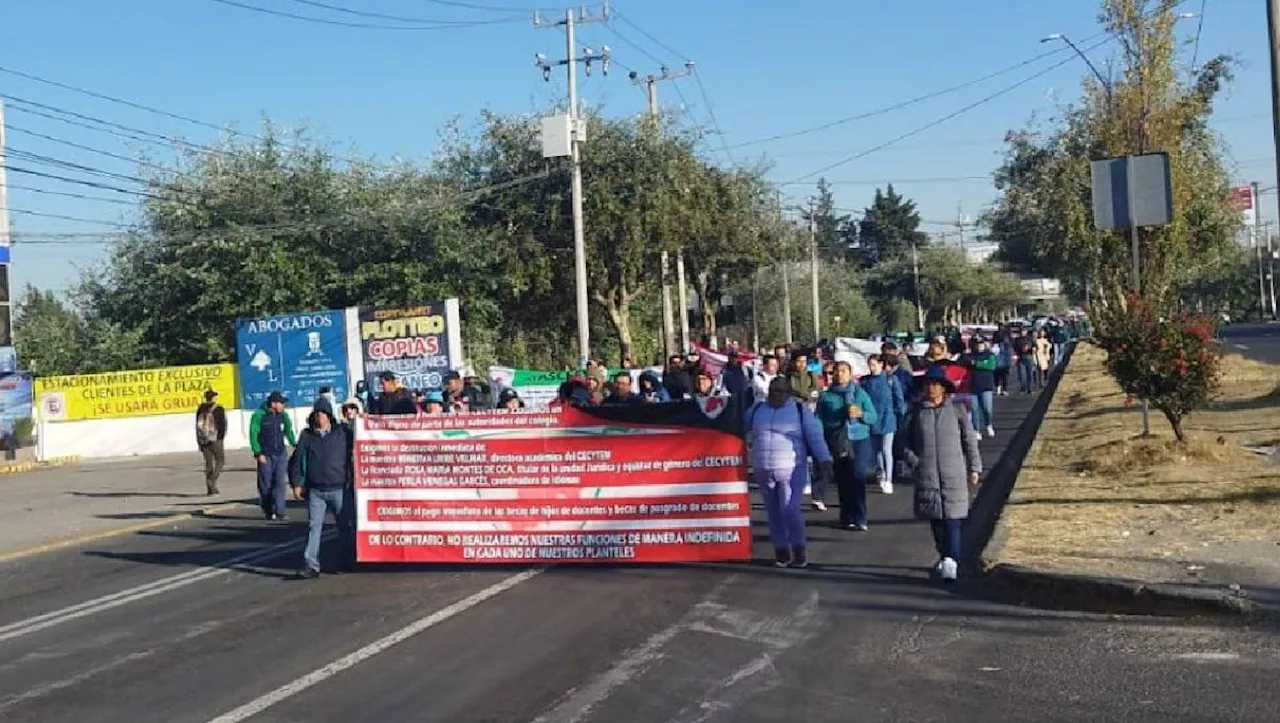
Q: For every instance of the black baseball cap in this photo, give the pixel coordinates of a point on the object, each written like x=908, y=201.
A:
x=387, y=376
x=210, y=395
x=274, y=397
x=451, y=375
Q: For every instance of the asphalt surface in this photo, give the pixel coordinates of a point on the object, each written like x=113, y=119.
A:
x=166, y=625
x=1253, y=341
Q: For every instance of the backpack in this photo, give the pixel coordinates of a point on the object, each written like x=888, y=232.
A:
x=206, y=426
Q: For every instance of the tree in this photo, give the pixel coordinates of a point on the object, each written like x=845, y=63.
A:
x=830, y=227
x=53, y=338
x=889, y=227
x=951, y=289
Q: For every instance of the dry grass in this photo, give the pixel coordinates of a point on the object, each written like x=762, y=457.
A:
x=1095, y=498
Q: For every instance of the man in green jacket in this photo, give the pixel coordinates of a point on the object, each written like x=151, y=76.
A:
x=847, y=415
x=269, y=429
x=804, y=385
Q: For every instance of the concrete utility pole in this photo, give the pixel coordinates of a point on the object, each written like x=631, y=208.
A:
x=575, y=155
x=1257, y=232
x=1273, y=35
x=650, y=83
x=813, y=272
x=915, y=272
x=786, y=283
x=6, y=247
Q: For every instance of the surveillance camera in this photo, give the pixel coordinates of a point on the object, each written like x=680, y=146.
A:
x=633, y=75
x=539, y=60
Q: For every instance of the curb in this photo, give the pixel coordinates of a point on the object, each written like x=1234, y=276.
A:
x=34, y=465
x=1059, y=591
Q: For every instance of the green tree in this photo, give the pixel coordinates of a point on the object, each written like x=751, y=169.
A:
x=830, y=226
x=53, y=338
x=889, y=227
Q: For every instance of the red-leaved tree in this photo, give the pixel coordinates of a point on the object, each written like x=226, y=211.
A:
x=1170, y=360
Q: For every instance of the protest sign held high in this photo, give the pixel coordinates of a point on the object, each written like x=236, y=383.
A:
x=419, y=345
x=658, y=483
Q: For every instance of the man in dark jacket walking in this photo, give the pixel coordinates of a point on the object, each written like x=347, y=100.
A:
x=320, y=471
x=677, y=380
x=211, y=431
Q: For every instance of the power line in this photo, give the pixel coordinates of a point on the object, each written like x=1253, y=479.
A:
x=61, y=217
x=346, y=24
x=1199, y=27
x=68, y=194
x=477, y=6
x=396, y=18
x=939, y=121
x=880, y=182
x=666, y=48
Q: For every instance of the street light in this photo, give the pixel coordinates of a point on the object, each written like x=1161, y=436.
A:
x=1106, y=85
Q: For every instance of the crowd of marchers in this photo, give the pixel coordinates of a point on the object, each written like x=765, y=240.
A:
x=810, y=423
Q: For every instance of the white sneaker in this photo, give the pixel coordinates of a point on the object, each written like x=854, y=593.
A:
x=819, y=505
x=977, y=434
x=937, y=567
x=886, y=487
x=948, y=569
x=991, y=431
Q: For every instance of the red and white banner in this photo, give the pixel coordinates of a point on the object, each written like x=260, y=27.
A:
x=659, y=483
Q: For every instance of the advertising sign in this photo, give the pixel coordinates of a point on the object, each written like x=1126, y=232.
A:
x=293, y=353
x=140, y=393
x=15, y=400
x=419, y=344
x=656, y=483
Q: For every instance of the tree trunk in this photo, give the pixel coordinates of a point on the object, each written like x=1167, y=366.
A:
x=617, y=302
x=1175, y=421
x=707, y=307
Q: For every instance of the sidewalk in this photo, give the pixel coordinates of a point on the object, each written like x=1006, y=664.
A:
x=49, y=507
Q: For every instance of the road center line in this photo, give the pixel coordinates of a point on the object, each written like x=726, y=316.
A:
x=289, y=690
x=141, y=592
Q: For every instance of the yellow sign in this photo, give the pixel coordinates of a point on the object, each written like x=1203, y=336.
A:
x=145, y=392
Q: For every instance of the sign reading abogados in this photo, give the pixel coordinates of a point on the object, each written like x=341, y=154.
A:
x=140, y=393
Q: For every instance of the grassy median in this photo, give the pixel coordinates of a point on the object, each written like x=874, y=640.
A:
x=1093, y=497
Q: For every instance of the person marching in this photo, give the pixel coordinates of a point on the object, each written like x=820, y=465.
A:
x=847, y=414
x=982, y=363
x=890, y=404
x=269, y=430
x=211, y=430
x=942, y=454
x=783, y=435
x=320, y=471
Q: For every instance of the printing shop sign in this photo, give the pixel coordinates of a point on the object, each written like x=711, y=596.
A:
x=419, y=344
x=658, y=483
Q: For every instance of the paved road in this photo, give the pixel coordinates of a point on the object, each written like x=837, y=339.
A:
x=1254, y=341
x=195, y=621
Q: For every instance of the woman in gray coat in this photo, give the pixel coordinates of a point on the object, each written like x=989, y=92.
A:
x=942, y=453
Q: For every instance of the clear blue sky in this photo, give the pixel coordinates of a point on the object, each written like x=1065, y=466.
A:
x=768, y=68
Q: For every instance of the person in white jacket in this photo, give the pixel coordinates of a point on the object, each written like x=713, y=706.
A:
x=761, y=379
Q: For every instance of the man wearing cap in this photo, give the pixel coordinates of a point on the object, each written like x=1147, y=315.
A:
x=269, y=430
x=211, y=430
x=394, y=398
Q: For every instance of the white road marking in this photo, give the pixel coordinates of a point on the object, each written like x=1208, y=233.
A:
x=1241, y=347
x=577, y=704
x=254, y=707
x=141, y=592
x=1208, y=657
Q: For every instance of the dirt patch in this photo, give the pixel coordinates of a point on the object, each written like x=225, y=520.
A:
x=1093, y=498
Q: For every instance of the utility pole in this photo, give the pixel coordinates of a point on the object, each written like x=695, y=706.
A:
x=755, y=312
x=915, y=272
x=668, y=327
x=1257, y=233
x=575, y=152
x=1273, y=35
x=6, y=248
x=813, y=272
x=786, y=282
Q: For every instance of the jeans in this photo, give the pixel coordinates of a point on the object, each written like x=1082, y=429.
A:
x=946, y=537
x=782, y=490
x=319, y=503
x=1042, y=375
x=983, y=410
x=882, y=445
x=273, y=483
x=1002, y=379
x=1059, y=350
x=215, y=457
x=1026, y=375
x=851, y=474
x=817, y=484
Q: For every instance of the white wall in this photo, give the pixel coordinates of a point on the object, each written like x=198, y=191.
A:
x=142, y=436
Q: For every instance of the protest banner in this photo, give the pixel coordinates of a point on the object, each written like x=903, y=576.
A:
x=15, y=400
x=292, y=353
x=714, y=361
x=419, y=345
x=657, y=483
x=139, y=393
x=537, y=389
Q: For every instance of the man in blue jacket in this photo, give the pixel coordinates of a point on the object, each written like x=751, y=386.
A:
x=891, y=407
x=321, y=471
x=847, y=415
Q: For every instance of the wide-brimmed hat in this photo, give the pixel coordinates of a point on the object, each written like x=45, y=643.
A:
x=935, y=373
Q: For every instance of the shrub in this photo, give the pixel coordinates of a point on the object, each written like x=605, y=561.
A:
x=1170, y=360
